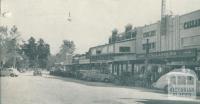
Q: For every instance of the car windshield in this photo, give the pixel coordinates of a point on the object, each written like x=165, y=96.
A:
x=10, y=70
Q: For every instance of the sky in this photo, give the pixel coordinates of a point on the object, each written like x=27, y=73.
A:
x=92, y=20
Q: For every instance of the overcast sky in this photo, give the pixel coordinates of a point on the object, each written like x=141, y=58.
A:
x=92, y=20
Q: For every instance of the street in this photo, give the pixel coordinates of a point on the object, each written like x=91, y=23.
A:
x=28, y=89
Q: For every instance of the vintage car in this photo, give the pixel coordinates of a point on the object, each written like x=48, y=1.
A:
x=37, y=73
x=94, y=75
x=9, y=72
x=183, y=77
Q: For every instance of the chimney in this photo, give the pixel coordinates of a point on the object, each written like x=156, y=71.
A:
x=114, y=32
x=114, y=36
x=128, y=27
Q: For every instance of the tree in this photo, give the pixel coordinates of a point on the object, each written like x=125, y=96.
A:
x=30, y=51
x=9, y=44
x=51, y=61
x=3, y=47
x=43, y=51
x=3, y=33
x=67, y=47
x=37, y=53
x=66, y=51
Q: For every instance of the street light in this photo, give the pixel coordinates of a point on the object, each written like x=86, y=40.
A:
x=4, y=14
x=7, y=14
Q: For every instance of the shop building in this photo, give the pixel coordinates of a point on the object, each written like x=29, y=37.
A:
x=149, y=51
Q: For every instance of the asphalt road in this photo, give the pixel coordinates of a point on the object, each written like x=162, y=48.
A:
x=28, y=89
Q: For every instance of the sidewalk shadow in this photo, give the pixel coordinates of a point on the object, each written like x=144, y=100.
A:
x=153, y=101
x=83, y=82
x=102, y=84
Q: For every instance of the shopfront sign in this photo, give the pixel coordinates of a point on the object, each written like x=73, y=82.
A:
x=170, y=54
x=192, y=24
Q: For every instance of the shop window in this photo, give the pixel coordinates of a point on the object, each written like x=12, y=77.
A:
x=153, y=33
x=144, y=46
x=124, y=49
x=151, y=46
x=98, y=52
x=149, y=34
x=146, y=34
x=190, y=41
x=133, y=34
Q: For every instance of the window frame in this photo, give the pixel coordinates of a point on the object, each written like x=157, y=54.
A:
x=128, y=49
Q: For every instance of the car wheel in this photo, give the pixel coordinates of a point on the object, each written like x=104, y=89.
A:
x=12, y=75
x=166, y=89
x=106, y=80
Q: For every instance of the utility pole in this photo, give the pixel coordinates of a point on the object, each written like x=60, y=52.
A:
x=146, y=55
x=146, y=61
x=163, y=18
x=163, y=9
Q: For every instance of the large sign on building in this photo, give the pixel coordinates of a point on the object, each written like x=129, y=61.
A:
x=192, y=24
x=170, y=54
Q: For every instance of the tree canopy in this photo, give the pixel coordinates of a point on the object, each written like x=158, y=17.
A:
x=66, y=51
x=37, y=52
x=9, y=45
x=30, y=53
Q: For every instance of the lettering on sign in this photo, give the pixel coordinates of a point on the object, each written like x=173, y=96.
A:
x=192, y=24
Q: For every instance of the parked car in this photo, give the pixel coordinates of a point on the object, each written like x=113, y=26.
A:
x=94, y=75
x=59, y=72
x=37, y=73
x=22, y=70
x=185, y=77
x=9, y=72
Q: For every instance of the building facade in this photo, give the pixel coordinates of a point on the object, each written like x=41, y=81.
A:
x=151, y=50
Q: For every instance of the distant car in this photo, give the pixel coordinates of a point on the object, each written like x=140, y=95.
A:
x=93, y=75
x=177, y=77
x=37, y=73
x=56, y=72
x=9, y=72
x=22, y=70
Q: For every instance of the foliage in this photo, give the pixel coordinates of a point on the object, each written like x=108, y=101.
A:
x=37, y=52
x=9, y=44
x=28, y=54
x=66, y=49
